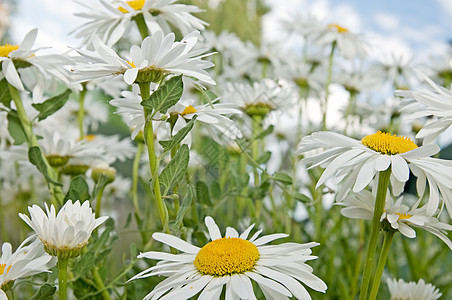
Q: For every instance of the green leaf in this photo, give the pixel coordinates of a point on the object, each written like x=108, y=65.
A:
x=167, y=95
x=102, y=181
x=5, y=96
x=78, y=190
x=202, y=193
x=185, y=205
x=86, y=262
x=178, y=137
x=282, y=177
x=15, y=128
x=266, y=132
x=175, y=169
x=51, y=105
x=301, y=197
x=44, y=293
x=264, y=158
x=36, y=158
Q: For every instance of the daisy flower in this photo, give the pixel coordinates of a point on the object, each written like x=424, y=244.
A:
x=158, y=56
x=355, y=164
x=232, y=261
x=396, y=216
x=434, y=102
x=66, y=233
x=111, y=20
x=13, y=57
x=348, y=44
x=28, y=260
x=401, y=290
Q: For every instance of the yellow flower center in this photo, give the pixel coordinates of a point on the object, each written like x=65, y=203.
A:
x=403, y=216
x=188, y=110
x=2, y=268
x=337, y=27
x=132, y=64
x=386, y=143
x=5, y=50
x=135, y=4
x=226, y=256
x=90, y=137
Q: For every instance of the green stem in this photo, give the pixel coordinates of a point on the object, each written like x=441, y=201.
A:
x=81, y=110
x=141, y=24
x=99, y=200
x=328, y=82
x=362, y=231
x=135, y=169
x=100, y=284
x=383, y=182
x=3, y=219
x=381, y=264
x=257, y=125
x=32, y=141
x=62, y=277
x=349, y=111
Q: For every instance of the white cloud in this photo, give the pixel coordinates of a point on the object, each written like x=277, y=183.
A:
x=446, y=5
x=386, y=21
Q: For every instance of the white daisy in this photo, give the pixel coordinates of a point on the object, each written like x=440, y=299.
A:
x=13, y=57
x=232, y=261
x=396, y=216
x=355, y=164
x=435, y=103
x=29, y=259
x=110, y=20
x=66, y=233
x=349, y=45
x=401, y=290
x=158, y=56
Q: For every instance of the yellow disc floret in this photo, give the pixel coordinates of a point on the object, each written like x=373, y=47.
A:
x=188, y=110
x=338, y=28
x=2, y=269
x=403, y=216
x=386, y=143
x=135, y=4
x=226, y=256
x=5, y=50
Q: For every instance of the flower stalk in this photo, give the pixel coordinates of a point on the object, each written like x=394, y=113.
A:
x=381, y=264
x=327, y=87
x=383, y=182
x=81, y=110
x=62, y=277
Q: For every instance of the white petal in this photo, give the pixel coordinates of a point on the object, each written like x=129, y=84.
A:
x=11, y=75
x=214, y=231
x=175, y=242
x=130, y=75
x=400, y=168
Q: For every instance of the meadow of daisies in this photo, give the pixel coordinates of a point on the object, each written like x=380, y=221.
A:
x=170, y=156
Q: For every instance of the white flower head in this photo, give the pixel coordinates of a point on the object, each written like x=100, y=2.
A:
x=356, y=163
x=434, y=102
x=110, y=20
x=65, y=233
x=232, y=261
x=401, y=290
x=29, y=259
x=13, y=57
x=396, y=216
x=158, y=56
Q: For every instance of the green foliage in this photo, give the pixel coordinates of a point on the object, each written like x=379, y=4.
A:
x=5, y=96
x=36, y=158
x=44, y=293
x=78, y=189
x=15, y=128
x=282, y=177
x=175, y=169
x=52, y=105
x=178, y=137
x=166, y=96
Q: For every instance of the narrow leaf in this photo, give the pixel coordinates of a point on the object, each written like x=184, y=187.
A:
x=45, y=292
x=202, y=193
x=36, y=158
x=302, y=197
x=86, y=262
x=5, y=96
x=175, y=170
x=15, y=128
x=51, y=105
x=282, y=177
x=185, y=205
x=78, y=190
x=167, y=95
x=178, y=137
